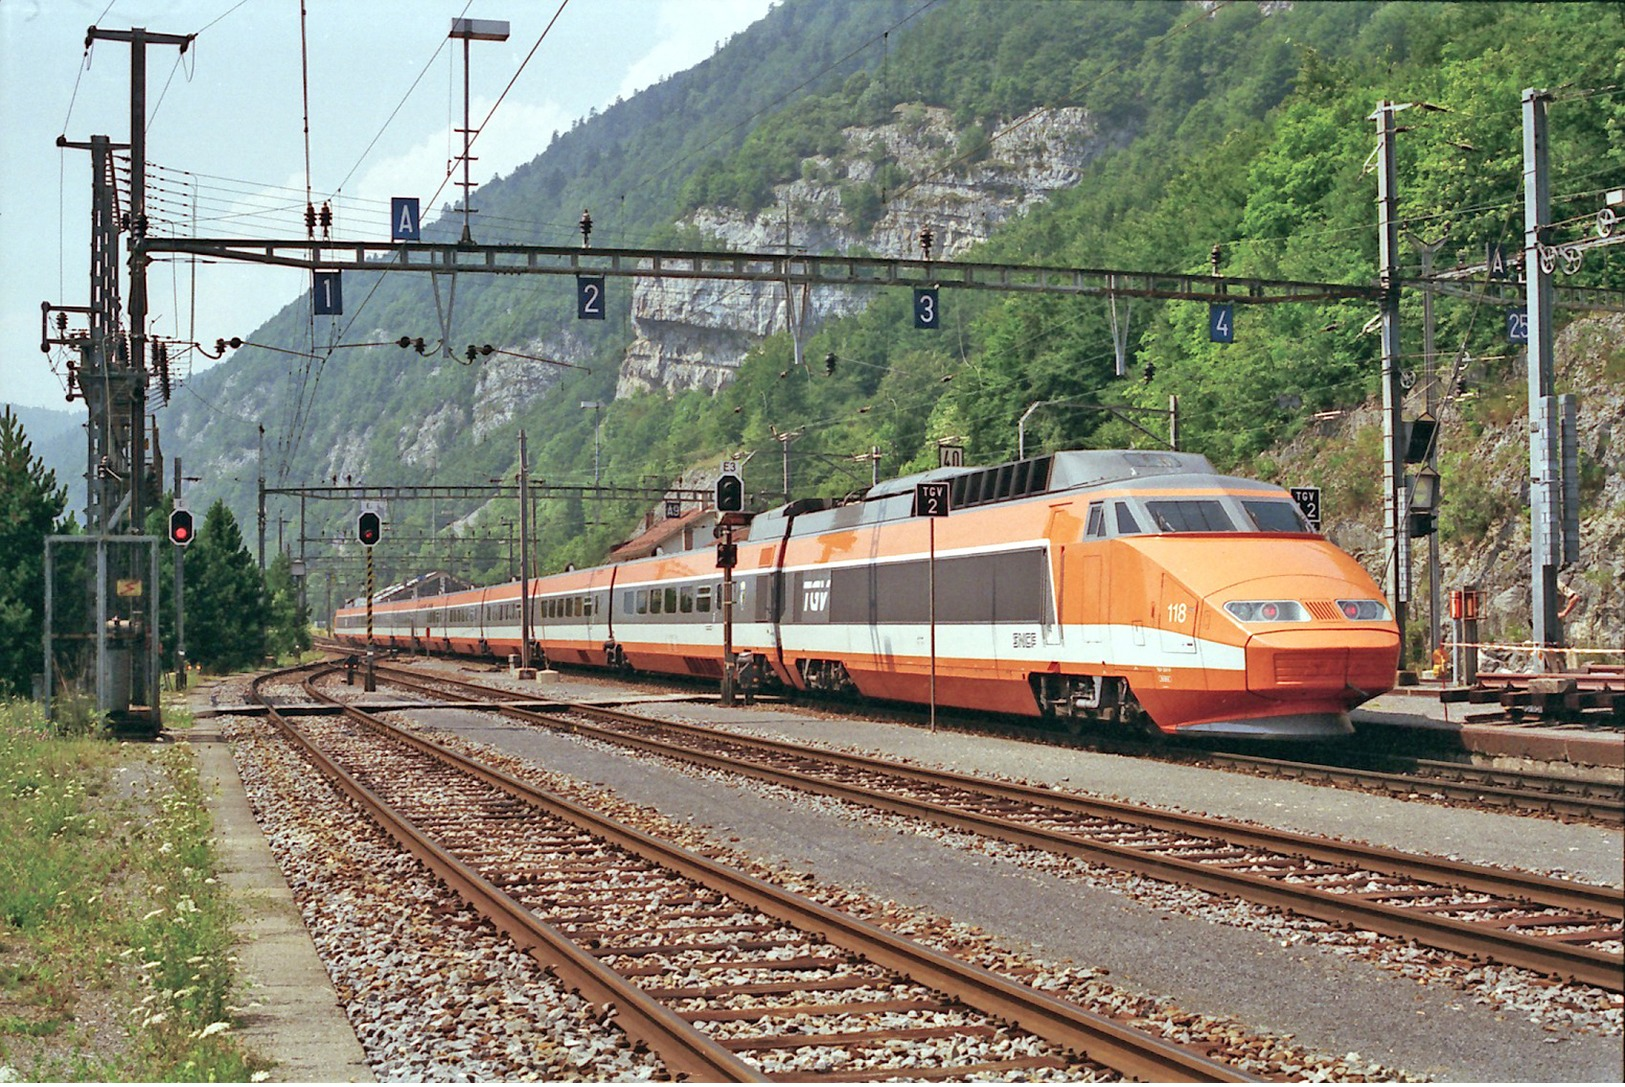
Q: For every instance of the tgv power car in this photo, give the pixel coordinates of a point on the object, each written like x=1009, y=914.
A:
x=1112, y=585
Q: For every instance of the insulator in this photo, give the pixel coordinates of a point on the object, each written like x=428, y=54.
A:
x=404, y=342
x=586, y=228
x=829, y=364
x=1150, y=372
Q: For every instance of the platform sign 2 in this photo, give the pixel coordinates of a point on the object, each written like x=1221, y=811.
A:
x=403, y=219
x=1308, y=500
x=926, y=311
x=327, y=293
x=931, y=499
x=1518, y=325
x=589, y=298
x=1221, y=322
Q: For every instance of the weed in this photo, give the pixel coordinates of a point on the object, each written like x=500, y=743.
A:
x=109, y=889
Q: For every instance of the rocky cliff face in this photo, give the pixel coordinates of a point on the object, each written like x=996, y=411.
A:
x=1485, y=488
x=694, y=334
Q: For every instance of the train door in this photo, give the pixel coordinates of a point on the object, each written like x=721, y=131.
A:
x=1082, y=593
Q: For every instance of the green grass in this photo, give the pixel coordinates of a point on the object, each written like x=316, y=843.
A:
x=107, y=897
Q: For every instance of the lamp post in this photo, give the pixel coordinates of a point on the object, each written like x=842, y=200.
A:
x=485, y=30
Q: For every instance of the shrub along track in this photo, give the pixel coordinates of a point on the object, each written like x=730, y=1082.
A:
x=1555, y=927
x=724, y=976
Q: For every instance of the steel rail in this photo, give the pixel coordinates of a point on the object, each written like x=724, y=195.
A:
x=685, y=1050
x=1586, y=965
x=1135, y=1054
x=1451, y=780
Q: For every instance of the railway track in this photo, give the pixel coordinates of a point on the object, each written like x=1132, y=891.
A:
x=1555, y=927
x=725, y=977
x=1582, y=799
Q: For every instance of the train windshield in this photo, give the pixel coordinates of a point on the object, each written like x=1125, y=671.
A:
x=1276, y=516
x=1190, y=515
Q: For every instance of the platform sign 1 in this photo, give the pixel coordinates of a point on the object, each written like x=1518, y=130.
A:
x=1308, y=500
x=926, y=311
x=403, y=219
x=589, y=298
x=1518, y=325
x=1221, y=322
x=327, y=293
x=931, y=499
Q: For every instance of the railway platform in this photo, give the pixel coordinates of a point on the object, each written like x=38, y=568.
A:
x=293, y=1015
x=1416, y=716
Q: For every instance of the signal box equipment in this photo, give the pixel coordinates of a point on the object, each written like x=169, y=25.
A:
x=180, y=527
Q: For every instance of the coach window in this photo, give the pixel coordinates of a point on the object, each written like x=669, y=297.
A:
x=1096, y=527
x=685, y=600
x=702, y=599
x=671, y=601
x=656, y=598
x=643, y=601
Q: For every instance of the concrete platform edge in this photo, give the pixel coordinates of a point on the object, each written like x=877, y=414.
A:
x=293, y=1015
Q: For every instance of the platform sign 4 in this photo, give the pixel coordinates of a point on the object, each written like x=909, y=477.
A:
x=404, y=223
x=327, y=293
x=926, y=311
x=589, y=298
x=1221, y=322
x=1308, y=500
x=930, y=499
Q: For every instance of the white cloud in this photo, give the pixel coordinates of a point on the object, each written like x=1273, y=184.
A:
x=690, y=31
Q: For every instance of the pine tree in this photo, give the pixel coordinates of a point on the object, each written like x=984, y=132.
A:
x=31, y=506
x=290, y=623
x=226, y=612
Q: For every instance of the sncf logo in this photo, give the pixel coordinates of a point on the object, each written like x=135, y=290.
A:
x=815, y=594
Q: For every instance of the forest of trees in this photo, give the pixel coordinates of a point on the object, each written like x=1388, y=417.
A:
x=1231, y=128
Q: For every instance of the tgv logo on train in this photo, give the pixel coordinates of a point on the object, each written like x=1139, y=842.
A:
x=1106, y=585
x=815, y=594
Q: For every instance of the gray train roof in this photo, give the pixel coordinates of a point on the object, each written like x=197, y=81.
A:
x=1008, y=482
x=1062, y=471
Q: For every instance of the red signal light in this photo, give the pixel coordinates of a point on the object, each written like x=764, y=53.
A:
x=180, y=527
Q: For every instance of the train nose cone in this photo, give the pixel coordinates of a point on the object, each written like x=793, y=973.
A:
x=1318, y=663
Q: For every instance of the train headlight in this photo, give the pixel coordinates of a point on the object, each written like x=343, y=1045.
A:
x=1364, y=610
x=1267, y=611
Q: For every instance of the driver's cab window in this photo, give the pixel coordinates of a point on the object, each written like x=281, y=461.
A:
x=1095, y=527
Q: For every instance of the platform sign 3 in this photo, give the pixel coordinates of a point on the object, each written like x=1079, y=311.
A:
x=1308, y=500
x=1221, y=322
x=926, y=311
x=930, y=499
x=403, y=219
x=589, y=298
x=327, y=293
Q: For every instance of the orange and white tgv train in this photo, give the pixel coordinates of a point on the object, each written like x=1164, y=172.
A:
x=1110, y=585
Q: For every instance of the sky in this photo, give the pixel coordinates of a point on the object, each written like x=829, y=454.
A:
x=226, y=130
